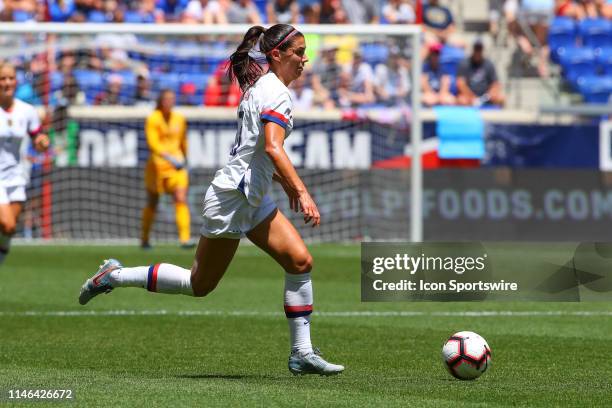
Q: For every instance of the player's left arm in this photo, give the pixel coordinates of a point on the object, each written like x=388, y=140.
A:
x=286, y=175
x=40, y=140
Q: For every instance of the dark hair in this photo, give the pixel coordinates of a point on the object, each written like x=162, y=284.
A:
x=161, y=95
x=245, y=69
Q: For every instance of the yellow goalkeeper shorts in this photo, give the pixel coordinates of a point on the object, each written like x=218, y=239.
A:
x=164, y=182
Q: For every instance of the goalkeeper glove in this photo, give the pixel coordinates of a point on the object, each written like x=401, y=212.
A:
x=175, y=162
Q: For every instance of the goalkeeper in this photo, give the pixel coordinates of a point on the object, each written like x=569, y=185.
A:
x=165, y=172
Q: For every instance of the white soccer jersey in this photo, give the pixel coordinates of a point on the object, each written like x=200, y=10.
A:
x=17, y=124
x=249, y=168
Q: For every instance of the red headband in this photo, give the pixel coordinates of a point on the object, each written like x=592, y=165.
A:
x=291, y=34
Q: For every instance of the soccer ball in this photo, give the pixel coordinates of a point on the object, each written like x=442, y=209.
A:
x=466, y=355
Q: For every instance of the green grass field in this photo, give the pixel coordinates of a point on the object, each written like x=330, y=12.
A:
x=231, y=348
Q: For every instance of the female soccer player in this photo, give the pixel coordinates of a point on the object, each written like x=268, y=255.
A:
x=237, y=204
x=165, y=171
x=18, y=120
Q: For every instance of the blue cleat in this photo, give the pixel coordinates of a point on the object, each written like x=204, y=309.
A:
x=312, y=363
x=100, y=282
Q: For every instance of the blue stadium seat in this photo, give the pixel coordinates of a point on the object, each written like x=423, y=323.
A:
x=20, y=16
x=132, y=17
x=88, y=79
x=57, y=80
x=595, y=89
x=375, y=53
x=450, y=57
x=162, y=80
x=596, y=33
x=604, y=60
x=561, y=34
x=96, y=16
x=577, y=62
x=261, y=7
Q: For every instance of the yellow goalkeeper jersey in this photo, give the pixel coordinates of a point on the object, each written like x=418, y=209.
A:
x=166, y=138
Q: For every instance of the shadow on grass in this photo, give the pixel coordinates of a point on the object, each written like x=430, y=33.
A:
x=223, y=376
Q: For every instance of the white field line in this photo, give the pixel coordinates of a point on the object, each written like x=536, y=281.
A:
x=240, y=313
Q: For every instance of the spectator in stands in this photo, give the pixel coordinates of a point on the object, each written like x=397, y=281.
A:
x=112, y=94
x=171, y=10
x=113, y=50
x=332, y=12
x=340, y=93
x=301, y=93
x=391, y=80
x=188, y=95
x=144, y=12
x=21, y=10
x=435, y=84
x=283, y=11
x=360, y=80
x=477, y=81
x=439, y=24
x=325, y=74
x=221, y=91
x=61, y=10
x=536, y=15
x=311, y=11
x=204, y=11
x=142, y=93
x=399, y=12
x=69, y=94
x=243, y=12
x=594, y=9
x=362, y=11
x=112, y=12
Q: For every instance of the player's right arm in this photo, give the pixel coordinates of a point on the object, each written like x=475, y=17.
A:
x=153, y=137
x=299, y=198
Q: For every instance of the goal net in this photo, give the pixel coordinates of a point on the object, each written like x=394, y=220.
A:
x=96, y=84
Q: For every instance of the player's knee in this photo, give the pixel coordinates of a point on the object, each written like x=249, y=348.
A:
x=303, y=263
x=8, y=227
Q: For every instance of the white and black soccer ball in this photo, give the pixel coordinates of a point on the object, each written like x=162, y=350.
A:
x=466, y=355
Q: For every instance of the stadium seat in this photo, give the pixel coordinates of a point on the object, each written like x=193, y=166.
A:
x=161, y=80
x=132, y=17
x=89, y=81
x=596, y=33
x=561, y=34
x=450, y=57
x=604, y=60
x=374, y=53
x=20, y=16
x=261, y=7
x=57, y=80
x=595, y=89
x=96, y=16
x=577, y=62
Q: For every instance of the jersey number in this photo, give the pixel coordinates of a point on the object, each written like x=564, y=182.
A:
x=238, y=139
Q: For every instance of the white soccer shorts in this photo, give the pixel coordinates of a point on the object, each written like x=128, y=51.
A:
x=227, y=213
x=12, y=194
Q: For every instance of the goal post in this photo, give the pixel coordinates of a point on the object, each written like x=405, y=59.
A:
x=173, y=54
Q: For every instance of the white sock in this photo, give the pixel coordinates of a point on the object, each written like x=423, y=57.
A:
x=5, y=246
x=298, y=307
x=161, y=278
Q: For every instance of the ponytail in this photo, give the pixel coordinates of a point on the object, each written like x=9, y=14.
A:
x=247, y=70
x=243, y=68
